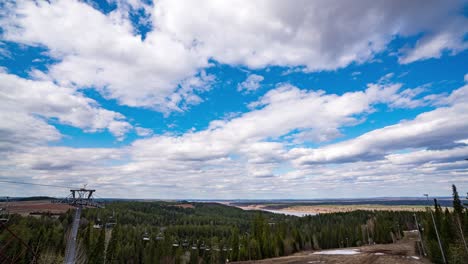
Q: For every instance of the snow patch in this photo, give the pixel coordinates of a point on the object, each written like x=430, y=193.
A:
x=338, y=252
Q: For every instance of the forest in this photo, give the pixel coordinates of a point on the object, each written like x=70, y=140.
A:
x=183, y=232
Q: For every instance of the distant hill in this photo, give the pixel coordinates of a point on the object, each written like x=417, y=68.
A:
x=31, y=198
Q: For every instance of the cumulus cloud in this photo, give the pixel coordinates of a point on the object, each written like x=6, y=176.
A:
x=19, y=129
x=28, y=105
x=250, y=84
x=231, y=156
x=435, y=129
x=163, y=70
x=143, y=132
x=257, y=140
x=449, y=37
x=264, y=151
x=320, y=35
x=101, y=51
x=458, y=153
x=63, y=158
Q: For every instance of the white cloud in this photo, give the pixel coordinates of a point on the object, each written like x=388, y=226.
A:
x=450, y=37
x=101, y=51
x=321, y=35
x=143, y=132
x=236, y=156
x=41, y=101
x=21, y=130
x=63, y=158
x=434, y=129
x=250, y=84
x=430, y=156
x=284, y=111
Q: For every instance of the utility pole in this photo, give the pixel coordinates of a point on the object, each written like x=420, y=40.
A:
x=461, y=233
x=437, y=232
x=368, y=235
x=420, y=237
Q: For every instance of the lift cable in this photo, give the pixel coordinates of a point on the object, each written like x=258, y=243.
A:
x=38, y=184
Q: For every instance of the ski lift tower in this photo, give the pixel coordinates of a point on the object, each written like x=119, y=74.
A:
x=78, y=198
x=82, y=197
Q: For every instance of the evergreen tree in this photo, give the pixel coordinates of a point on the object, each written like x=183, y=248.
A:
x=97, y=255
x=457, y=205
x=234, y=247
x=114, y=245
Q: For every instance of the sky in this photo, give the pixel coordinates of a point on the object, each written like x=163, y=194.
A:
x=234, y=99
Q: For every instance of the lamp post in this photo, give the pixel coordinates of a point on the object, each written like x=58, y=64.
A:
x=437, y=232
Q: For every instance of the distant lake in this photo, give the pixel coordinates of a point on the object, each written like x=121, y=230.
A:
x=294, y=213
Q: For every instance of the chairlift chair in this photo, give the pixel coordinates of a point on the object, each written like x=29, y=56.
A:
x=4, y=213
x=160, y=236
x=111, y=221
x=98, y=224
x=146, y=236
x=185, y=243
x=4, y=216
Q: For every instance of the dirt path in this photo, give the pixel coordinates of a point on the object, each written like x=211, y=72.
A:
x=401, y=252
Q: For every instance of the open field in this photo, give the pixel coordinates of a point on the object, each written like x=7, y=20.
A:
x=327, y=209
x=40, y=206
x=401, y=252
x=323, y=209
x=184, y=205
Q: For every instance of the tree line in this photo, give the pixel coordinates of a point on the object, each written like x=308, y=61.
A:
x=164, y=232
x=452, y=228
x=214, y=233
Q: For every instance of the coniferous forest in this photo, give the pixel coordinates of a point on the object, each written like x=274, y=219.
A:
x=165, y=232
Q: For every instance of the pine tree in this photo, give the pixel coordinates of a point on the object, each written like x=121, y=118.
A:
x=234, y=244
x=113, y=247
x=97, y=255
x=457, y=205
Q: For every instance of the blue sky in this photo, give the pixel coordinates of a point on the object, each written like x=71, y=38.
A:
x=169, y=99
